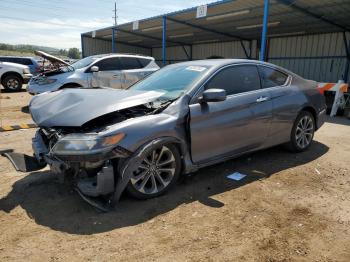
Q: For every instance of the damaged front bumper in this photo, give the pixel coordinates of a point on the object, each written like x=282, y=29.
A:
x=97, y=177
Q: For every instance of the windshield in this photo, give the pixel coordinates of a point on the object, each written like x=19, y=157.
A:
x=83, y=62
x=173, y=81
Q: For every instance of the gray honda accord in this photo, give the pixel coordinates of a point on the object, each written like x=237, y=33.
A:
x=181, y=118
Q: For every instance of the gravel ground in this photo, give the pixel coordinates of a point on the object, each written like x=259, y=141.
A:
x=290, y=207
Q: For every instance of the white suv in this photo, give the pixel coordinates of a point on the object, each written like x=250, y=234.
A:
x=13, y=76
x=112, y=70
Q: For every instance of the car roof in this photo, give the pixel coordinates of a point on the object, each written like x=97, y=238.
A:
x=121, y=54
x=217, y=63
x=12, y=56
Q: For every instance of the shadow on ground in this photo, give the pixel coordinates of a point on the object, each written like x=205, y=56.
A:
x=3, y=90
x=25, y=109
x=339, y=120
x=56, y=206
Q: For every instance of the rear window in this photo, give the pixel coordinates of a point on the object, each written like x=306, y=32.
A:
x=271, y=77
x=144, y=61
x=130, y=63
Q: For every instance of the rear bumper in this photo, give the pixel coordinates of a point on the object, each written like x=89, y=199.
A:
x=26, y=78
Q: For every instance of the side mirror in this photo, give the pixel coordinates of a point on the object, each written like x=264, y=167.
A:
x=213, y=95
x=94, y=69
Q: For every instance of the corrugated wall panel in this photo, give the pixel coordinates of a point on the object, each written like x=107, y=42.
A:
x=174, y=54
x=203, y=51
x=224, y=49
x=319, y=57
x=93, y=46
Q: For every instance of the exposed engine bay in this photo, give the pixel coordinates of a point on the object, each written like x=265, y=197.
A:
x=93, y=174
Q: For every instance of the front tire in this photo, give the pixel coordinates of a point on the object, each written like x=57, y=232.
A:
x=302, y=132
x=158, y=172
x=12, y=83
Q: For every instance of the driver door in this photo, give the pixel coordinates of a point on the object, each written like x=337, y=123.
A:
x=239, y=124
x=109, y=74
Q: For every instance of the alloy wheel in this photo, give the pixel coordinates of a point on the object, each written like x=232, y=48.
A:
x=12, y=84
x=156, y=171
x=304, y=131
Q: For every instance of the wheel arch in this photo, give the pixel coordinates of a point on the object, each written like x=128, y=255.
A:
x=11, y=73
x=311, y=110
x=70, y=84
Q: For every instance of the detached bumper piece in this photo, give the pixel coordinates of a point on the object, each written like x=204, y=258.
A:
x=24, y=163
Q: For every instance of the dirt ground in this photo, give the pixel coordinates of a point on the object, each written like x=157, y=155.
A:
x=290, y=207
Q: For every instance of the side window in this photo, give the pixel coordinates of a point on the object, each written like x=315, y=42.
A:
x=271, y=77
x=109, y=64
x=144, y=61
x=236, y=79
x=130, y=63
x=25, y=61
x=17, y=60
x=4, y=59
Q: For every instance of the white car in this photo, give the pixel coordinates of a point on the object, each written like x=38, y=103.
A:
x=112, y=70
x=13, y=76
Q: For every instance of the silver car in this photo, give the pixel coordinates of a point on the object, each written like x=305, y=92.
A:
x=181, y=118
x=112, y=70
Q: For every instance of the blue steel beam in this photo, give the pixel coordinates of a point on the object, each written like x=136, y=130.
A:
x=264, y=31
x=207, y=29
x=292, y=3
x=120, y=42
x=113, y=39
x=151, y=37
x=164, y=41
x=82, y=46
x=214, y=32
x=347, y=65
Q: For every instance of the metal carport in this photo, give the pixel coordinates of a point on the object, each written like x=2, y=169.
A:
x=302, y=35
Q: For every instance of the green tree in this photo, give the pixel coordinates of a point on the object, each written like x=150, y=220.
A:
x=74, y=53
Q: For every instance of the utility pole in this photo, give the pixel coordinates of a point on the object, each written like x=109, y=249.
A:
x=115, y=14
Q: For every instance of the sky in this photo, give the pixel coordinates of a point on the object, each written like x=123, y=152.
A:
x=59, y=23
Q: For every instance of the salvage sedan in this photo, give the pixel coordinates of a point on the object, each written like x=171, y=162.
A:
x=183, y=117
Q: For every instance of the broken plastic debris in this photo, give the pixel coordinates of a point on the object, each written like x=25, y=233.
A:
x=318, y=172
x=236, y=176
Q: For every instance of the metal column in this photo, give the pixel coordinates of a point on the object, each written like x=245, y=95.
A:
x=347, y=64
x=164, y=41
x=264, y=31
x=113, y=41
x=82, y=46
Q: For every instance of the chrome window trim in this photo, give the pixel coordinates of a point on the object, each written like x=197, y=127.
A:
x=199, y=89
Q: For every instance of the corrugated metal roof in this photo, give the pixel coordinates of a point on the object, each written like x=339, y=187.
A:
x=235, y=19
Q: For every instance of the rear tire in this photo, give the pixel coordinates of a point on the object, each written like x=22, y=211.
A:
x=12, y=83
x=158, y=172
x=302, y=132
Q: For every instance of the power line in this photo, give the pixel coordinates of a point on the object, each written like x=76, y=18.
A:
x=46, y=22
x=36, y=5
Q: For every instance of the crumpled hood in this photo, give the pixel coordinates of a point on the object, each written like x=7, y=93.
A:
x=75, y=107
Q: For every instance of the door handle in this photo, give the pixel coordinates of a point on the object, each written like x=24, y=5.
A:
x=115, y=76
x=262, y=99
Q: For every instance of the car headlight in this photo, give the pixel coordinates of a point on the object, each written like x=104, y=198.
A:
x=26, y=71
x=76, y=144
x=46, y=81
